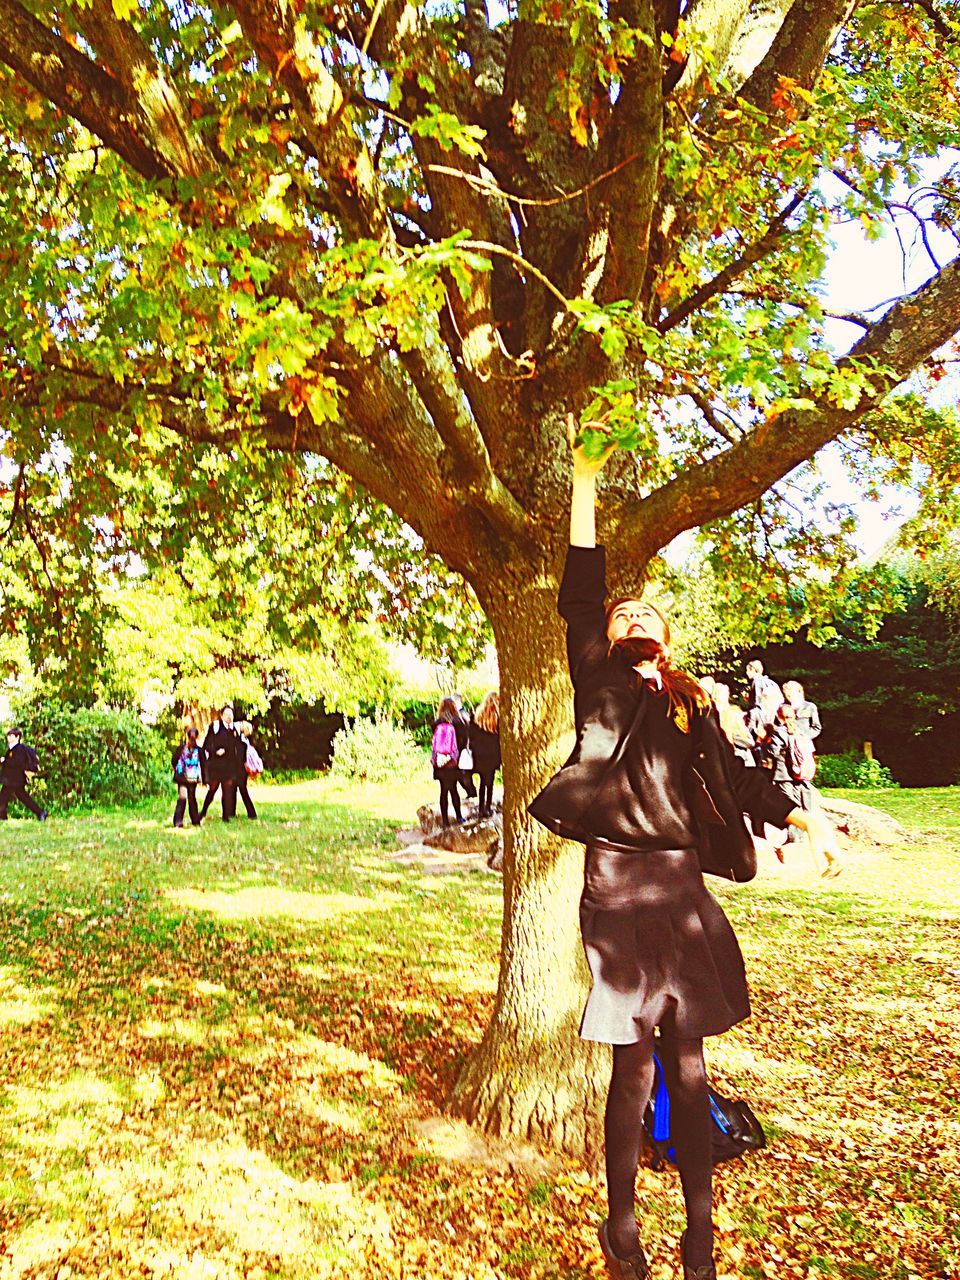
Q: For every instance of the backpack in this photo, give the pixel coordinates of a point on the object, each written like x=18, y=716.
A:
x=801, y=758
x=33, y=765
x=735, y=1128
x=253, y=762
x=188, y=765
x=445, y=753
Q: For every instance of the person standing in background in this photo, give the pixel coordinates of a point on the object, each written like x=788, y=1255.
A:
x=251, y=767
x=445, y=757
x=187, y=762
x=225, y=757
x=462, y=727
x=760, y=686
x=805, y=712
x=485, y=745
x=14, y=767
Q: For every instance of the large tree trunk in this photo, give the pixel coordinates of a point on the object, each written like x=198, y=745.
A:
x=531, y=1076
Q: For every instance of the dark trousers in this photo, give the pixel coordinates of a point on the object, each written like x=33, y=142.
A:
x=244, y=793
x=448, y=792
x=186, y=796
x=228, y=798
x=486, y=794
x=466, y=781
x=8, y=793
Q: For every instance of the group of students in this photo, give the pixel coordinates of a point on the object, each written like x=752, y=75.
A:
x=464, y=745
x=225, y=761
x=776, y=732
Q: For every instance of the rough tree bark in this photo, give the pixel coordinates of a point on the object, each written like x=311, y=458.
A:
x=532, y=1076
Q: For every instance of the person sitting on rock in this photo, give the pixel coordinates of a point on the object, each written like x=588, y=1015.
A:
x=485, y=745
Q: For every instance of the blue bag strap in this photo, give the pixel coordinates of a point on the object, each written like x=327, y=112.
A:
x=661, y=1104
x=719, y=1119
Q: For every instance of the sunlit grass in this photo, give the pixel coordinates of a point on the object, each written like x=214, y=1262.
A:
x=223, y=1053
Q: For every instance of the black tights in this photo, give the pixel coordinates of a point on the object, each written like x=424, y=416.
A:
x=486, y=794
x=630, y=1087
x=448, y=791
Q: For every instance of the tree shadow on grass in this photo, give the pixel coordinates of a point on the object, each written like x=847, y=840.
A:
x=198, y=1069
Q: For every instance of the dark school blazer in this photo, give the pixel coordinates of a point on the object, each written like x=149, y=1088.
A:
x=228, y=767
x=608, y=713
x=16, y=764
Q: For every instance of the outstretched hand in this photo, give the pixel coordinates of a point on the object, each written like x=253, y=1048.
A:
x=583, y=465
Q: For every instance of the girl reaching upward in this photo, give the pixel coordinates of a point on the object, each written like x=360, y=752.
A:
x=657, y=795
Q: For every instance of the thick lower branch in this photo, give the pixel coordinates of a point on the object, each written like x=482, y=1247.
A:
x=895, y=346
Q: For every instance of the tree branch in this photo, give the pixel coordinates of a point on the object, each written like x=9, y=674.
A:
x=626, y=202
x=896, y=345
x=132, y=62
x=80, y=88
x=770, y=239
x=799, y=49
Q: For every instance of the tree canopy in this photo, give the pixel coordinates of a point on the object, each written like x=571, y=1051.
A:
x=417, y=240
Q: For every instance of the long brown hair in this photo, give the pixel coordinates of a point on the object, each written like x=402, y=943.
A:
x=447, y=711
x=682, y=689
x=488, y=713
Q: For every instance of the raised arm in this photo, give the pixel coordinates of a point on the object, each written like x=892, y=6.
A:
x=583, y=589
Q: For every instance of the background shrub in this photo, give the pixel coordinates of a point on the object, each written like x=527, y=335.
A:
x=851, y=769
x=377, y=751
x=93, y=757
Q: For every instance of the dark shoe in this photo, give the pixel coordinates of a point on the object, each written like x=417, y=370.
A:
x=708, y=1272
x=43, y=815
x=635, y=1267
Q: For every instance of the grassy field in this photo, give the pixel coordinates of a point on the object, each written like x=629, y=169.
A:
x=218, y=1049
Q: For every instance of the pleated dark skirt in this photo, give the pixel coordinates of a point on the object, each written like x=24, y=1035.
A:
x=658, y=945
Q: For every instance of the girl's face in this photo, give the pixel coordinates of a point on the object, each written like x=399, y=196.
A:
x=635, y=620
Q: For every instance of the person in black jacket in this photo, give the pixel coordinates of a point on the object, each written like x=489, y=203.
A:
x=462, y=727
x=225, y=755
x=187, y=765
x=14, y=767
x=485, y=745
x=657, y=795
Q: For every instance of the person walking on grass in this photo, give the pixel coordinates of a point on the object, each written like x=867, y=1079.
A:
x=252, y=767
x=19, y=761
x=485, y=745
x=187, y=764
x=445, y=758
x=224, y=754
x=655, y=792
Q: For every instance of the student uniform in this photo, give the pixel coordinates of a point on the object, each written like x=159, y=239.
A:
x=657, y=795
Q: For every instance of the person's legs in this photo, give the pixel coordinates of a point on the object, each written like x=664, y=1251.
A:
x=228, y=799
x=630, y=1086
x=6, y=795
x=466, y=781
x=243, y=791
x=212, y=789
x=486, y=795
x=28, y=801
x=691, y=1131
x=192, y=802
x=181, y=805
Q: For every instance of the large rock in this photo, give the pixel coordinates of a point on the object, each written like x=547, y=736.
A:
x=428, y=815
x=862, y=822
x=471, y=837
